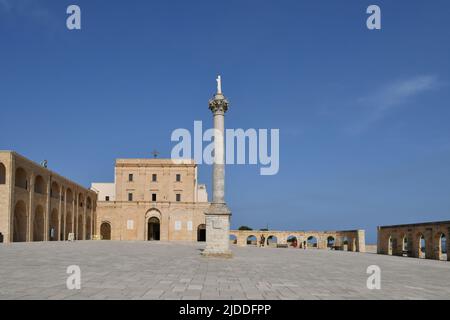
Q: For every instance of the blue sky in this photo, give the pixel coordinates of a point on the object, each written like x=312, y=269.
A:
x=363, y=115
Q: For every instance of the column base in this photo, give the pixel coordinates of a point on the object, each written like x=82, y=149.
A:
x=218, y=231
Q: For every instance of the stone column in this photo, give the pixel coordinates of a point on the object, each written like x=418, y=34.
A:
x=30, y=224
x=379, y=249
x=361, y=241
x=429, y=243
x=74, y=204
x=63, y=226
x=60, y=208
x=218, y=214
x=47, y=212
x=75, y=216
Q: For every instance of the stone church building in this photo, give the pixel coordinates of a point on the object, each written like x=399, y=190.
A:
x=152, y=199
x=37, y=204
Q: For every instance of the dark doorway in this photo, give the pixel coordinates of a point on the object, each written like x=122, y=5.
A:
x=153, y=229
x=105, y=231
x=201, y=233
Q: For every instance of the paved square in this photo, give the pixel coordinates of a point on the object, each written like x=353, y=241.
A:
x=151, y=270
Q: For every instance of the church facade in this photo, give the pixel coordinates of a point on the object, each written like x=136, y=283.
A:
x=152, y=199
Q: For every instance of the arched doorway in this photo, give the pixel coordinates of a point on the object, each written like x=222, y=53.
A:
x=272, y=241
x=345, y=243
x=54, y=230
x=252, y=241
x=105, y=231
x=153, y=229
x=233, y=239
x=312, y=242
x=405, y=246
x=20, y=222
x=201, y=233
x=390, y=246
x=38, y=224
x=422, y=247
x=292, y=241
x=441, y=247
x=331, y=242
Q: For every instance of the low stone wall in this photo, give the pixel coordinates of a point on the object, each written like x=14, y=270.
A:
x=352, y=240
x=422, y=240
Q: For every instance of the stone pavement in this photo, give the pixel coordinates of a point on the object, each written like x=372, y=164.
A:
x=144, y=270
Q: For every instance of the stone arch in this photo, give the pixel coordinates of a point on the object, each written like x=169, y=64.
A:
x=80, y=227
x=54, y=190
x=69, y=196
x=150, y=214
x=39, y=224
x=345, y=243
x=233, y=239
x=153, y=229
x=331, y=242
x=252, y=240
x=405, y=245
x=312, y=242
x=292, y=241
x=441, y=246
x=81, y=200
x=390, y=245
x=20, y=224
x=88, y=227
x=422, y=246
x=272, y=240
x=105, y=230
x=69, y=224
x=89, y=203
x=201, y=233
x=21, y=178
x=2, y=173
x=61, y=225
x=54, y=225
x=39, y=185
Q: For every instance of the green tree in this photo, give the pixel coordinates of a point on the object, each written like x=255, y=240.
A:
x=244, y=228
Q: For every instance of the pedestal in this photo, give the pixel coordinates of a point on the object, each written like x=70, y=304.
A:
x=218, y=231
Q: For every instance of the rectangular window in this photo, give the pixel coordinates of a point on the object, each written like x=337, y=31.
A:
x=107, y=198
x=130, y=225
x=177, y=225
x=178, y=177
x=154, y=197
x=130, y=177
x=154, y=177
x=189, y=225
x=178, y=197
x=130, y=197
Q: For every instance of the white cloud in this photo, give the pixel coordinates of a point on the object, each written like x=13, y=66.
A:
x=380, y=103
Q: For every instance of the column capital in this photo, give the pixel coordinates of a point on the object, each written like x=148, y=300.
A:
x=219, y=105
